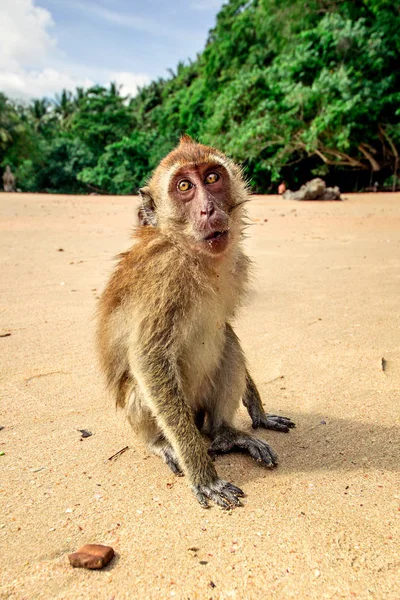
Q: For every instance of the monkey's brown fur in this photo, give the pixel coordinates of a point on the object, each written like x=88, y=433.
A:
x=166, y=345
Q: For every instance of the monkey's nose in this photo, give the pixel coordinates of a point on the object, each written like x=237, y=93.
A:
x=209, y=210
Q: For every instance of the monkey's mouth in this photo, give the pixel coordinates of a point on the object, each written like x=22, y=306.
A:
x=216, y=235
x=216, y=242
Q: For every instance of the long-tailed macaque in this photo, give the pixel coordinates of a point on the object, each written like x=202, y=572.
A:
x=166, y=342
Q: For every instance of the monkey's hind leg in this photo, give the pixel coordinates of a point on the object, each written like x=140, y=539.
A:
x=145, y=425
x=163, y=448
x=259, y=418
x=227, y=438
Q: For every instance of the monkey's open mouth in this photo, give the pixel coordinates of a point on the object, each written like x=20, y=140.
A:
x=216, y=235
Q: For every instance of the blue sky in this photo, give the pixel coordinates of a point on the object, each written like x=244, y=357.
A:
x=46, y=45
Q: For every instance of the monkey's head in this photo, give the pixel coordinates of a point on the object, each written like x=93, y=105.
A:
x=198, y=193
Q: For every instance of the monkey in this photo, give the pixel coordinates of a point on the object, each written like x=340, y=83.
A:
x=165, y=338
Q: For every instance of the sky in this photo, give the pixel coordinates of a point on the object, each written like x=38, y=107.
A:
x=48, y=45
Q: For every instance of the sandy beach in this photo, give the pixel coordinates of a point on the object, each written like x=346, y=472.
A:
x=321, y=330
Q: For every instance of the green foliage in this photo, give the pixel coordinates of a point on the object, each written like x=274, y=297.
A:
x=123, y=167
x=16, y=138
x=57, y=167
x=100, y=118
x=290, y=88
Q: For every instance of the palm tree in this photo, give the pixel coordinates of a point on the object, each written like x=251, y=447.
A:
x=7, y=121
x=38, y=111
x=64, y=104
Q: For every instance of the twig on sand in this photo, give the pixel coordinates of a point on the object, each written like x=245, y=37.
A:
x=27, y=380
x=275, y=379
x=117, y=454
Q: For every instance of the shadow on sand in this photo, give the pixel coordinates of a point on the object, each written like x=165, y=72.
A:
x=320, y=443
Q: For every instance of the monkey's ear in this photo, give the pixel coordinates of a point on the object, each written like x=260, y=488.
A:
x=186, y=139
x=147, y=211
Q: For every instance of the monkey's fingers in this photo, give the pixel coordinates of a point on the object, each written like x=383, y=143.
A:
x=261, y=452
x=175, y=468
x=232, y=494
x=275, y=423
x=282, y=420
x=234, y=489
x=223, y=500
x=200, y=498
x=221, y=492
x=169, y=456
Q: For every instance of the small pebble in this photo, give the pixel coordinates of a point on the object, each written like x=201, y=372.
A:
x=91, y=556
x=85, y=433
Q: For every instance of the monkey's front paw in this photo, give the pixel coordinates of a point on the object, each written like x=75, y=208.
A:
x=273, y=422
x=221, y=492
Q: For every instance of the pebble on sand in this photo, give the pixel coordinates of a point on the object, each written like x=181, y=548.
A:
x=92, y=556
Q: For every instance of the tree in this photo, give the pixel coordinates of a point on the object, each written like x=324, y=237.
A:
x=101, y=118
x=124, y=166
x=289, y=88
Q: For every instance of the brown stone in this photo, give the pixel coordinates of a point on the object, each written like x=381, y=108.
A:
x=91, y=556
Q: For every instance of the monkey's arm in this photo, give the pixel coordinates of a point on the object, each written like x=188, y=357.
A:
x=259, y=418
x=160, y=379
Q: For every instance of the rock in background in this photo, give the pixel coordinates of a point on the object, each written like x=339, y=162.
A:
x=314, y=190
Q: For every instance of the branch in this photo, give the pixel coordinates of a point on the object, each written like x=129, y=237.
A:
x=389, y=141
x=395, y=154
x=96, y=189
x=374, y=164
x=348, y=162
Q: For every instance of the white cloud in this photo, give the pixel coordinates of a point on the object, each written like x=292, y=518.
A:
x=130, y=82
x=25, y=84
x=24, y=34
x=32, y=65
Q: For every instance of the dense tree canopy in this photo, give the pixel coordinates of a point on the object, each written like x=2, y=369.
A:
x=290, y=88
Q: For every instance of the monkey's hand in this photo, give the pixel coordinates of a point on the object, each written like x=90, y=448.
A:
x=221, y=492
x=228, y=438
x=252, y=402
x=271, y=422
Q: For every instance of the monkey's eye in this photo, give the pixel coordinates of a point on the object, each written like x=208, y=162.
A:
x=212, y=178
x=185, y=185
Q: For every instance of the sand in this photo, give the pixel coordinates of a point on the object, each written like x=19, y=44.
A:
x=321, y=329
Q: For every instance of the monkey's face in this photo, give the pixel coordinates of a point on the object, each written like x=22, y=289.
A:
x=200, y=195
x=196, y=194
